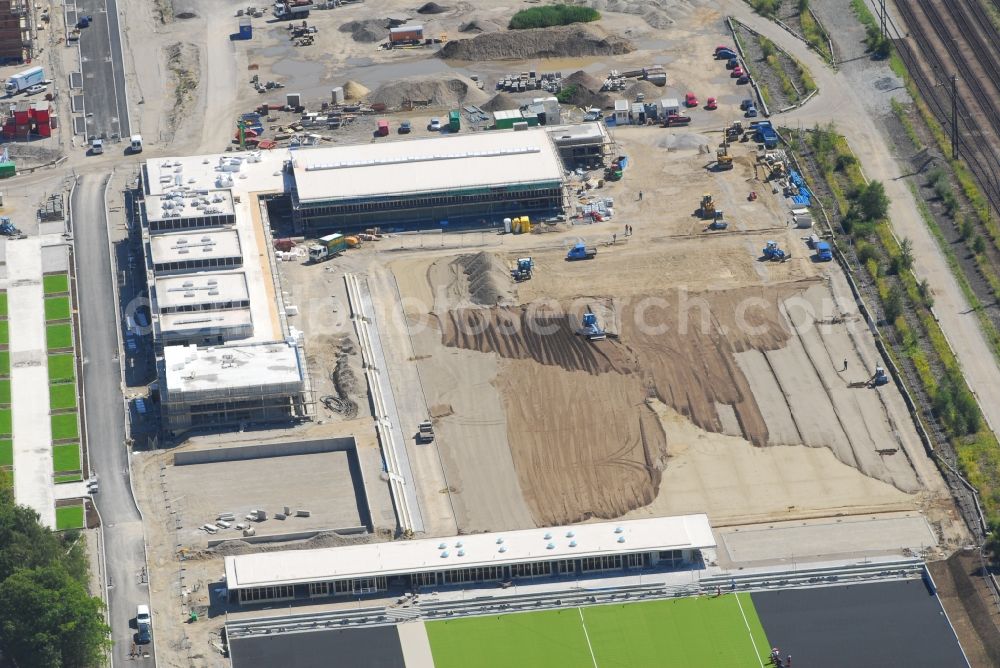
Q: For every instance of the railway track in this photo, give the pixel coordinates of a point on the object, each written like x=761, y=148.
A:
x=954, y=36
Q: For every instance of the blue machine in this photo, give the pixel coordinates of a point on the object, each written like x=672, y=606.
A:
x=523, y=269
x=590, y=328
x=581, y=252
x=823, y=252
x=773, y=253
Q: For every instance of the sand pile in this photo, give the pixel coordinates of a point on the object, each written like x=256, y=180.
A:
x=487, y=276
x=657, y=13
x=369, y=30
x=651, y=91
x=442, y=90
x=432, y=8
x=355, y=91
x=683, y=142
x=480, y=25
x=559, y=42
x=502, y=101
x=587, y=91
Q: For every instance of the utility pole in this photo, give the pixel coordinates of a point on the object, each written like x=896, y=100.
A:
x=954, y=117
x=882, y=18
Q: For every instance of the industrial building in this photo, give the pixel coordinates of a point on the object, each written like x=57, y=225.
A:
x=16, y=43
x=458, y=180
x=599, y=549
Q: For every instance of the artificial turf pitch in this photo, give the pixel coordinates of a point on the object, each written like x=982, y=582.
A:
x=703, y=631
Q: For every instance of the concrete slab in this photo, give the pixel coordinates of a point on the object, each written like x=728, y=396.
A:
x=71, y=490
x=415, y=644
x=29, y=378
x=797, y=541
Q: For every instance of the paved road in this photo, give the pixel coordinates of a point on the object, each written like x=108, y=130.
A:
x=103, y=70
x=844, y=104
x=104, y=411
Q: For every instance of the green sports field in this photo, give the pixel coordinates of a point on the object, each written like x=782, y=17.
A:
x=706, y=631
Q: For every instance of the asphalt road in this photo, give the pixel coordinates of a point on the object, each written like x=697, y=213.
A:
x=105, y=416
x=103, y=70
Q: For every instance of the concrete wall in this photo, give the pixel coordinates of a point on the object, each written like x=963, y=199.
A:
x=263, y=450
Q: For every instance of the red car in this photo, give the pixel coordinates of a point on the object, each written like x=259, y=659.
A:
x=736, y=72
x=722, y=48
x=711, y=105
x=676, y=119
x=691, y=100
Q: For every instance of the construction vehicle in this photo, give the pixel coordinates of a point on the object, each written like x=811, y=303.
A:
x=723, y=161
x=734, y=131
x=707, y=209
x=328, y=246
x=880, y=378
x=522, y=269
x=291, y=9
x=425, y=432
x=7, y=228
x=773, y=253
x=718, y=223
x=590, y=327
x=24, y=80
x=581, y=251
x=823, y=252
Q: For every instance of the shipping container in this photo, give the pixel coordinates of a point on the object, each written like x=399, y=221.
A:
x=406, y=34
x=454, y=121
x=383, y=128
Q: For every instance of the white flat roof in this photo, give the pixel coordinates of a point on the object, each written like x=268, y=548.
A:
x=185, y=323
x=621, y=105
x=482, y=159
x=189, y=204
x=249, y=171
x=206, y=288
x=194, y=245
x=485, y=549
x=582, y=131
x=190, y=369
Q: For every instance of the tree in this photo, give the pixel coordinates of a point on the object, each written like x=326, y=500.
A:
x=49, y=620
x=893, y=305
x=905, y=254
x=872, y=201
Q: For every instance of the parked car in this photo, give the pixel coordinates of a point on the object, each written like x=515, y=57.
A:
x=435, y=125
x=712, y=104
x=142, y=615
x=751, y=112
x=746, y=104
x=676, y=119
x=736, y=72
x=405, y=127
x=592, y=115
x=745, y=79
x=34, y=90
x=691, y=100
x=733, y=63
x=144, y=636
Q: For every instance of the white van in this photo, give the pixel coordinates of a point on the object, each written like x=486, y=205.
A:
x=137, y=143
x=97, y=146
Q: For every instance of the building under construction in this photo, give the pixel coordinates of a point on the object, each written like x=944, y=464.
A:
x=16, y=43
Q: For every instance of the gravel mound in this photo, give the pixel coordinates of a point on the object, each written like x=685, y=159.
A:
x=370, y=30
x=480, y=25
x=442, y=90
x=683, y=142
x=355, y=91
x=587, y=91
x=432, y=8
x=486, y=274
x=500, y=102
x=651, y=91
x=657, y=13
x=558, y=42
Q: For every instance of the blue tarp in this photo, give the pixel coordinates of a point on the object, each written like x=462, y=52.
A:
x=805, y=195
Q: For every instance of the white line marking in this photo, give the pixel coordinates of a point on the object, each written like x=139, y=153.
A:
x=587, y=636
x=756, y=651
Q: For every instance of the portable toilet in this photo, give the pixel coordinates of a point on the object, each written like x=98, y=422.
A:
x=507, y=225
x=621, y=112
x=246, y=29
x=337, y=95
x=668, y=106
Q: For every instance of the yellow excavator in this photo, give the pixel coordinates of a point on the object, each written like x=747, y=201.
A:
x=723, y=160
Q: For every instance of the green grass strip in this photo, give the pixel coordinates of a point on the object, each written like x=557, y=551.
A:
x=4, y=363
x=5, y=392
x=74, y=477
x=64, y=426
x=6, y=452
x=61, y=368
x=69, y=517
x=66, y=457
x=5, y=422
x=57, y=308
x=55, y=284
x=58, y=336
x=62, y=396
x=3, y=304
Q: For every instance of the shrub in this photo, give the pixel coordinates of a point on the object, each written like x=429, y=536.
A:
x=552, y=15
x=567, y=93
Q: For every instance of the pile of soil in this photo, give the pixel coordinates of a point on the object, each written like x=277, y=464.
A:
x=587, y=91
x=651, y=91
x=432, y=8
x=501, y=102
x=441, y=90
x=480, y=25
x=369, y=30
x=657, y=13
x=355, y=91
x=487, y=277
x=683, y=142
x=558, y=42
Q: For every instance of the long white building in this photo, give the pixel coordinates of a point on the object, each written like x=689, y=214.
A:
x=661, y=543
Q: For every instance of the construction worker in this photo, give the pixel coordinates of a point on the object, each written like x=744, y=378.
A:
x=640, y=195
x=845, y=364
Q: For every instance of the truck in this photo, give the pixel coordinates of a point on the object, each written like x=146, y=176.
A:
x=581, y=251
x=425, y=432
x=328, y=246
x=383, y=128
x=823, y=252
x=286, y=10
x=764, y=133
x=24, y=80
x=454, y=120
